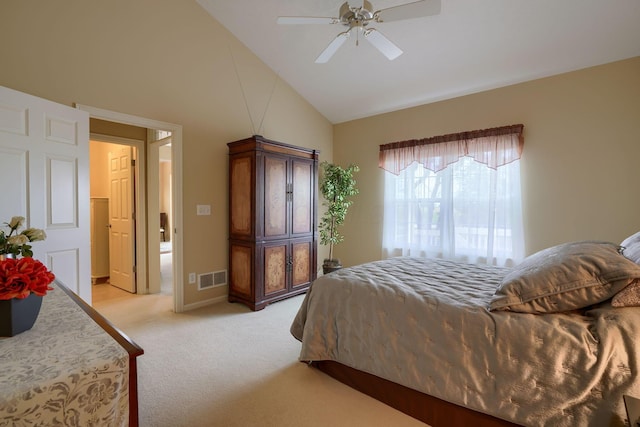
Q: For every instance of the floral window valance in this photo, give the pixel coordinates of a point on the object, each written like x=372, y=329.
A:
x=493, y=147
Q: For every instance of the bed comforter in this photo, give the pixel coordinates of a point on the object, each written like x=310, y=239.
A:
x=425, y=324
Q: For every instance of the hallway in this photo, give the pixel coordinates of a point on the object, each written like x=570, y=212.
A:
x=105, y=293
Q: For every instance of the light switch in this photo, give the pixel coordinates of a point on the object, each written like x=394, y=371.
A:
x=203, y=209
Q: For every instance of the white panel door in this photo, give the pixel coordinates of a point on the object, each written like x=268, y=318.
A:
x=121, y=222
x=44, y=168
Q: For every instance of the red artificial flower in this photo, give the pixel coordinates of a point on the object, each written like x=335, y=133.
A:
x=20, y=277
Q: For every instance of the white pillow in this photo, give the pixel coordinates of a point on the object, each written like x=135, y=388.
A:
x=631, y=247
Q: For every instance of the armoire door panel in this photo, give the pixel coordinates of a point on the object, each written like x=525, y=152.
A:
x=302, y=197
x=240, y=206
x=275, y=196
x=275, y=269
x=302, y=264
x=241, y=262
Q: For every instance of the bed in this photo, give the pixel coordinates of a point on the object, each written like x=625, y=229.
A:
x=552, y=341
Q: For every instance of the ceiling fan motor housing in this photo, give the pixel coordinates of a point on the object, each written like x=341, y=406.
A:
x=361, y=15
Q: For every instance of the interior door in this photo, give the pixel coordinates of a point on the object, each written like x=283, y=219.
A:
x=44, y=168
x=121, y=219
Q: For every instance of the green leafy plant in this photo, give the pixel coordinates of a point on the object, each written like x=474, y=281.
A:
x=337, y=185
x=16, y=244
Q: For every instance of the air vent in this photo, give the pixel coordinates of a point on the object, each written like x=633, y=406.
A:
x=211, y=280
x=220, y=278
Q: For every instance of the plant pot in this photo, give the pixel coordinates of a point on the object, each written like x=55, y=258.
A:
x=330, y=265
x=18, y=315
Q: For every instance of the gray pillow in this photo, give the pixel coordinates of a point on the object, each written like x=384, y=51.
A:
x=565, y=277
x=628, y=297
x=631, y=247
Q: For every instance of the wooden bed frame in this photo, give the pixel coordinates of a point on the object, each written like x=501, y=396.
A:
x=131, y=347
x=428, y=409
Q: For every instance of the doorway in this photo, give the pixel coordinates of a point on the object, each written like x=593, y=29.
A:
x=148, y=236
x=114, y=203
x=160, y=189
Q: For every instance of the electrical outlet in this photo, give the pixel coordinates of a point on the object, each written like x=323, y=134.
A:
x=203, y=209
x=192, y=278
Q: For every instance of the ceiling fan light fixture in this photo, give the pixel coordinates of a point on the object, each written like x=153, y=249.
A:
x=349, y=14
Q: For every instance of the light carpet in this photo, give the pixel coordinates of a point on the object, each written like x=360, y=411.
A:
x=224, y=365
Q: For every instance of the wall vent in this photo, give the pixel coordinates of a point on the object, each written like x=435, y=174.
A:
x=211, y=280
x=220, y=278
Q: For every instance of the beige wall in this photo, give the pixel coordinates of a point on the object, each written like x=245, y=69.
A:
x=165, y=60
x=170, y=61
x=579, y=167
x=99, y=169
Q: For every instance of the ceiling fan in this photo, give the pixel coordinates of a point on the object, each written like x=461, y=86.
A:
x=358, y=19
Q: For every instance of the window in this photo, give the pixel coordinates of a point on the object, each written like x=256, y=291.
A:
x=465, y=210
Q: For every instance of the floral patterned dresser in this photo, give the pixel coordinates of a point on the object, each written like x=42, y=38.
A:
x=73, y=368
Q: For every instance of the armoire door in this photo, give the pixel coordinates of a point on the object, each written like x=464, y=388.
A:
x=302, y=197
x=276, y=197
x=302, y=263
x=276, y=268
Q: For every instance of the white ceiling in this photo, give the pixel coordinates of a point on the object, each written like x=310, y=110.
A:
x=471, y=46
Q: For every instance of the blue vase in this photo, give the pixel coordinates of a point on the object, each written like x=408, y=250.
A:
x=18, y=315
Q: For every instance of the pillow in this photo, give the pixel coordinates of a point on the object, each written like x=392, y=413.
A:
x=631, y=247
x=565, y=277
x=628, y=297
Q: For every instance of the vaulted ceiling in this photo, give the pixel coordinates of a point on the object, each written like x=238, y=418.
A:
x=470, y=46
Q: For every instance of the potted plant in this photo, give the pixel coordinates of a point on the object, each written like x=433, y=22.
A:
x=15, y=244
x=336, y=186
x=23, y=280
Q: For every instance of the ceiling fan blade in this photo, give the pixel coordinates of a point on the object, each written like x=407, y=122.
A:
x=410, y=10
x=295, y=20
x=383, y=44
x=332, y=48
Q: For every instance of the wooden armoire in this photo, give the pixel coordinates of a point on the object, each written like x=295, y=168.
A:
x=272, y=220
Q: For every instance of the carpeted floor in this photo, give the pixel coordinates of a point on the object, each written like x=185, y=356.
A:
x=224, y=365
x=165, y=247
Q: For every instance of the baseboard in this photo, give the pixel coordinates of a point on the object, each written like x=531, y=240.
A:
x=204, y=303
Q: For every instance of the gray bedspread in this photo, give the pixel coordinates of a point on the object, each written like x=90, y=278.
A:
x=425, y=324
